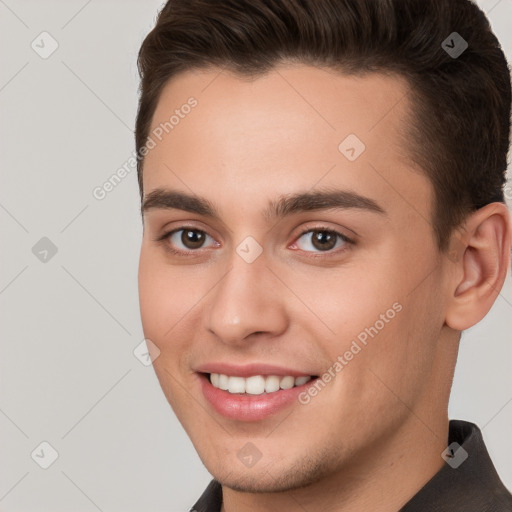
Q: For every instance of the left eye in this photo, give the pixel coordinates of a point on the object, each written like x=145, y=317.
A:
x=189, y=239
x=320, y=240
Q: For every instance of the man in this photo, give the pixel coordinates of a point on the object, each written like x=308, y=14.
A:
x=321, y=187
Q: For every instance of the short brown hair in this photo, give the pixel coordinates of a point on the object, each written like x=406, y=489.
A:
x=460, y=123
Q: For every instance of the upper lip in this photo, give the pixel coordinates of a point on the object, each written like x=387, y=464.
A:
x=248, y=370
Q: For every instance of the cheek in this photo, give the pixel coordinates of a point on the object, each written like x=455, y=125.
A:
x=368, y=318
x=152, y=296
x=160, y=311
x=166, y=306
x=347, y=303
x=399, y=356
x=166, y=297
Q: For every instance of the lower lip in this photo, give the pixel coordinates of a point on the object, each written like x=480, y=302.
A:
x=249, y=407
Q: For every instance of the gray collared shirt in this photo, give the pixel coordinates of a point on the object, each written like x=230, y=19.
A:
x=468, y=486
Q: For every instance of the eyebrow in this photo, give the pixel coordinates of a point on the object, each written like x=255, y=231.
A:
x=161, y=198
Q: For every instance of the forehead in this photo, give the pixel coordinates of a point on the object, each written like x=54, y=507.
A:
x=288, y=97
x=290, y=129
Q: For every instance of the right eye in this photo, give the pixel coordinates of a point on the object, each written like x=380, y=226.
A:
x=186, y=239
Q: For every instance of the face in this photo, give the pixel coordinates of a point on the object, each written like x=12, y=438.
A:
x=289, y=278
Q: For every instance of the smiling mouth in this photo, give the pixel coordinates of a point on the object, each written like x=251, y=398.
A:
x=256, y=384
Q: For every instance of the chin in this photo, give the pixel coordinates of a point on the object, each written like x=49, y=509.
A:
x=275, y=478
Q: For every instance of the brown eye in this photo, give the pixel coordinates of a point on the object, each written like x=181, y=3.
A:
x=187, y=239
x=192, y=239
x=321, y=240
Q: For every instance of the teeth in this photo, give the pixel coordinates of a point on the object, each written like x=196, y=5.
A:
x=223, y=382
x=299, y=381
x=257, y=384
x=272, y=384
x=236, y=385
x=214, y=377
x=287, y=383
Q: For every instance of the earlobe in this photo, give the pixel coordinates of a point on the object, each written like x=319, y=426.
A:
x=481, y=268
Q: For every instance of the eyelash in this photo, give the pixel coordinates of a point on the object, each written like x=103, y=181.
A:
x=312, y=254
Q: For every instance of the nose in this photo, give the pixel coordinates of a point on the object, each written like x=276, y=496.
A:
x=245, y=303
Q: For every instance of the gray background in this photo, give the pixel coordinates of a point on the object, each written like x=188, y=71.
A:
x=70, y=324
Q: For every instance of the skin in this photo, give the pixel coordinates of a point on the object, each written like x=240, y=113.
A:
x=374, y=435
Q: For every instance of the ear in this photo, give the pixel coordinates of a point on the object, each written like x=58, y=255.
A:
x=479, y=260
